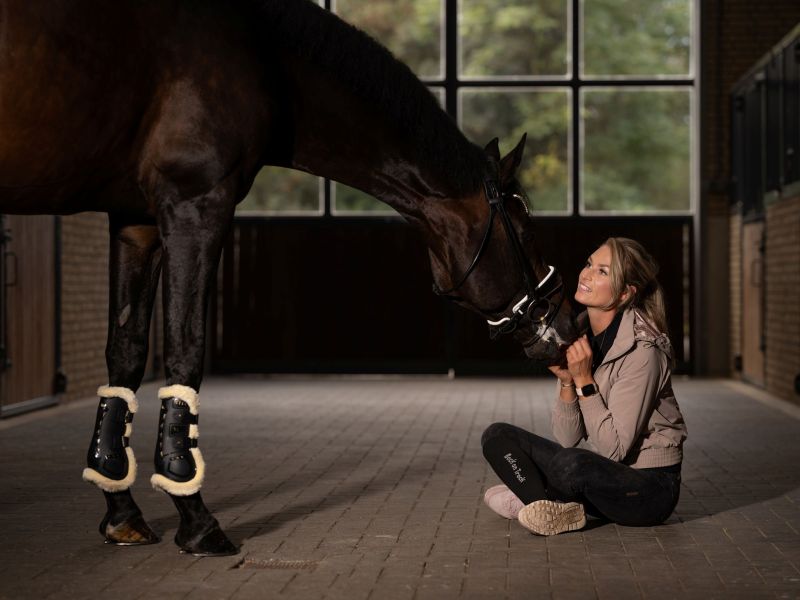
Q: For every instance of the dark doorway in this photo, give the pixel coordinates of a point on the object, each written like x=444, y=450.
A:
x=334, y=295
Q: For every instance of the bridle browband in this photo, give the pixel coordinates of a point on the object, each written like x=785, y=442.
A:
x=537, y=293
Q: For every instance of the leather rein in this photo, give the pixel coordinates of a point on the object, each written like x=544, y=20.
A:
x=536, y=303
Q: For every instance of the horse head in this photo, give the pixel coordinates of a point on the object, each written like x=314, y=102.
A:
x=490, y=264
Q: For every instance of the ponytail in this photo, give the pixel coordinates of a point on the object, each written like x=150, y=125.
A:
x=633, y=269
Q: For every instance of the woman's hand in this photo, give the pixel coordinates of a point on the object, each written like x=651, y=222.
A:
x=564, y=376
x=579, y=361
x=567, y=392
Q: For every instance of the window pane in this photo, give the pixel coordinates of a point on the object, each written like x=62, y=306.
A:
x=544, y=115
x=411, y=29
x=348, y=200
x=513, y=38
x=636, y=150
x=278, y=190
x=631, y=37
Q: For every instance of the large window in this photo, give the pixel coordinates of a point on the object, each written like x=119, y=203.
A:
x=603, y=88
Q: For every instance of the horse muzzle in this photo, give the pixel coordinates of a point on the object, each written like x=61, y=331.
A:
x=548, y=343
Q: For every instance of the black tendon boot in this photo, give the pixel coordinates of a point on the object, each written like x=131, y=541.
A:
x=180, y=470
x=111, y=465
x=178, y=463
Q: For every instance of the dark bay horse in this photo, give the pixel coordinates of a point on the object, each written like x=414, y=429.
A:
x=161, y=112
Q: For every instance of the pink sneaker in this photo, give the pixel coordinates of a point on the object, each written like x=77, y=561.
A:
x=503, y=501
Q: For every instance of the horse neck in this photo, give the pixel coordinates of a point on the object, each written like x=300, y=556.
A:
x=339, y=136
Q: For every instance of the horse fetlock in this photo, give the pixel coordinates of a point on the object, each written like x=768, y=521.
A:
x=179, y=466
x=111, y=464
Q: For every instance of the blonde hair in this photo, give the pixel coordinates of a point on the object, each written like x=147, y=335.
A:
x=632, y=266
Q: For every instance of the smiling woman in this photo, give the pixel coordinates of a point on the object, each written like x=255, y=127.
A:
x=614, y=391
x=594, y=285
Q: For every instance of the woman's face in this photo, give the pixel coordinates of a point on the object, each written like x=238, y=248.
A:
x=594, y=283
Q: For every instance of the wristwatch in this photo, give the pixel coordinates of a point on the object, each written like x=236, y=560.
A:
x=589, y=389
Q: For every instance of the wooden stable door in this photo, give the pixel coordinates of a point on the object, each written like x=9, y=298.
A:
x=753, y=303
x=28, y=307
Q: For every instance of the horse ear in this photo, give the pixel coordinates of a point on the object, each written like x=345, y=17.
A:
x=492, y=149
x=512, y=160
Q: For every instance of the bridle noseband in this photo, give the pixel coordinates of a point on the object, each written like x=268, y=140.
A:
x=536, y=303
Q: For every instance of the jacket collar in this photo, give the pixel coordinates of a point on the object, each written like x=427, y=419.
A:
x=625, y=340
x=632, y=329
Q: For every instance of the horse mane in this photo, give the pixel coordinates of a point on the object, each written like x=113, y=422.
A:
x=372, y=73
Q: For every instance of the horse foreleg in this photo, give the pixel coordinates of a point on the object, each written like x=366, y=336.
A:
x=134, y=266
x=192, y=235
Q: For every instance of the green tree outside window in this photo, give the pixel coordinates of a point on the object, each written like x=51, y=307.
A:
x=636, y=150
x=544, y=115
x=636, y=147
x=649, y=38
x=513, y=38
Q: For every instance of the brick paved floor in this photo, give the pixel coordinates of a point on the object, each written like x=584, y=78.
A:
x=366, y=488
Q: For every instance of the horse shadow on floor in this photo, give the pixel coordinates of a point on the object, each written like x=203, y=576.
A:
x=241, y=530
x=705, y=492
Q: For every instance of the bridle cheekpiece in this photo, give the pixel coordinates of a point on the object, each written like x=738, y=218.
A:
x=536, y=303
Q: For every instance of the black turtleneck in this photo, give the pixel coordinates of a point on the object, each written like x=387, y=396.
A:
x=602, y=342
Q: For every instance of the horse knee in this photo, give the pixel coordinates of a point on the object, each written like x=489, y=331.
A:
x=493, y=431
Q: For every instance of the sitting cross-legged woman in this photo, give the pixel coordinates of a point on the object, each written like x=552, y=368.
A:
x=614, y=391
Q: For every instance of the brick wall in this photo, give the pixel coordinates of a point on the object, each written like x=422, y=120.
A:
x=735, y=34
x=84, y=302
x=782, y=293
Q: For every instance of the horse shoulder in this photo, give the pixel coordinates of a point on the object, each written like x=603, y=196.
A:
x=200, y=131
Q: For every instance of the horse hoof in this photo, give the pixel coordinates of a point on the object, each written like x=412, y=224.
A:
x=134, y=531
x=211, y=541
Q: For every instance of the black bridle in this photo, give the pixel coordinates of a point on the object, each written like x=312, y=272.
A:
x=536, y=304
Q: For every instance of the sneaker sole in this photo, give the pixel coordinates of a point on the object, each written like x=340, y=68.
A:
x=545, y=517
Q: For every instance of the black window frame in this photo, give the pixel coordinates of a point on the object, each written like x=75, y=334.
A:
x=574, y=83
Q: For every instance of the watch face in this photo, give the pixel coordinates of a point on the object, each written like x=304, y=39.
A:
x=588, y=390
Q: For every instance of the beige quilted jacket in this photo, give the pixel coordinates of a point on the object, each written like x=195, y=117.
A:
x=635, y=418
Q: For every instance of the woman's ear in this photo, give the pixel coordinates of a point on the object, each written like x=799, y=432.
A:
x=628, y=294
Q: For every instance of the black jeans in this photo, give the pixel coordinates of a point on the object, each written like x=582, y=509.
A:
x=535, y=468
